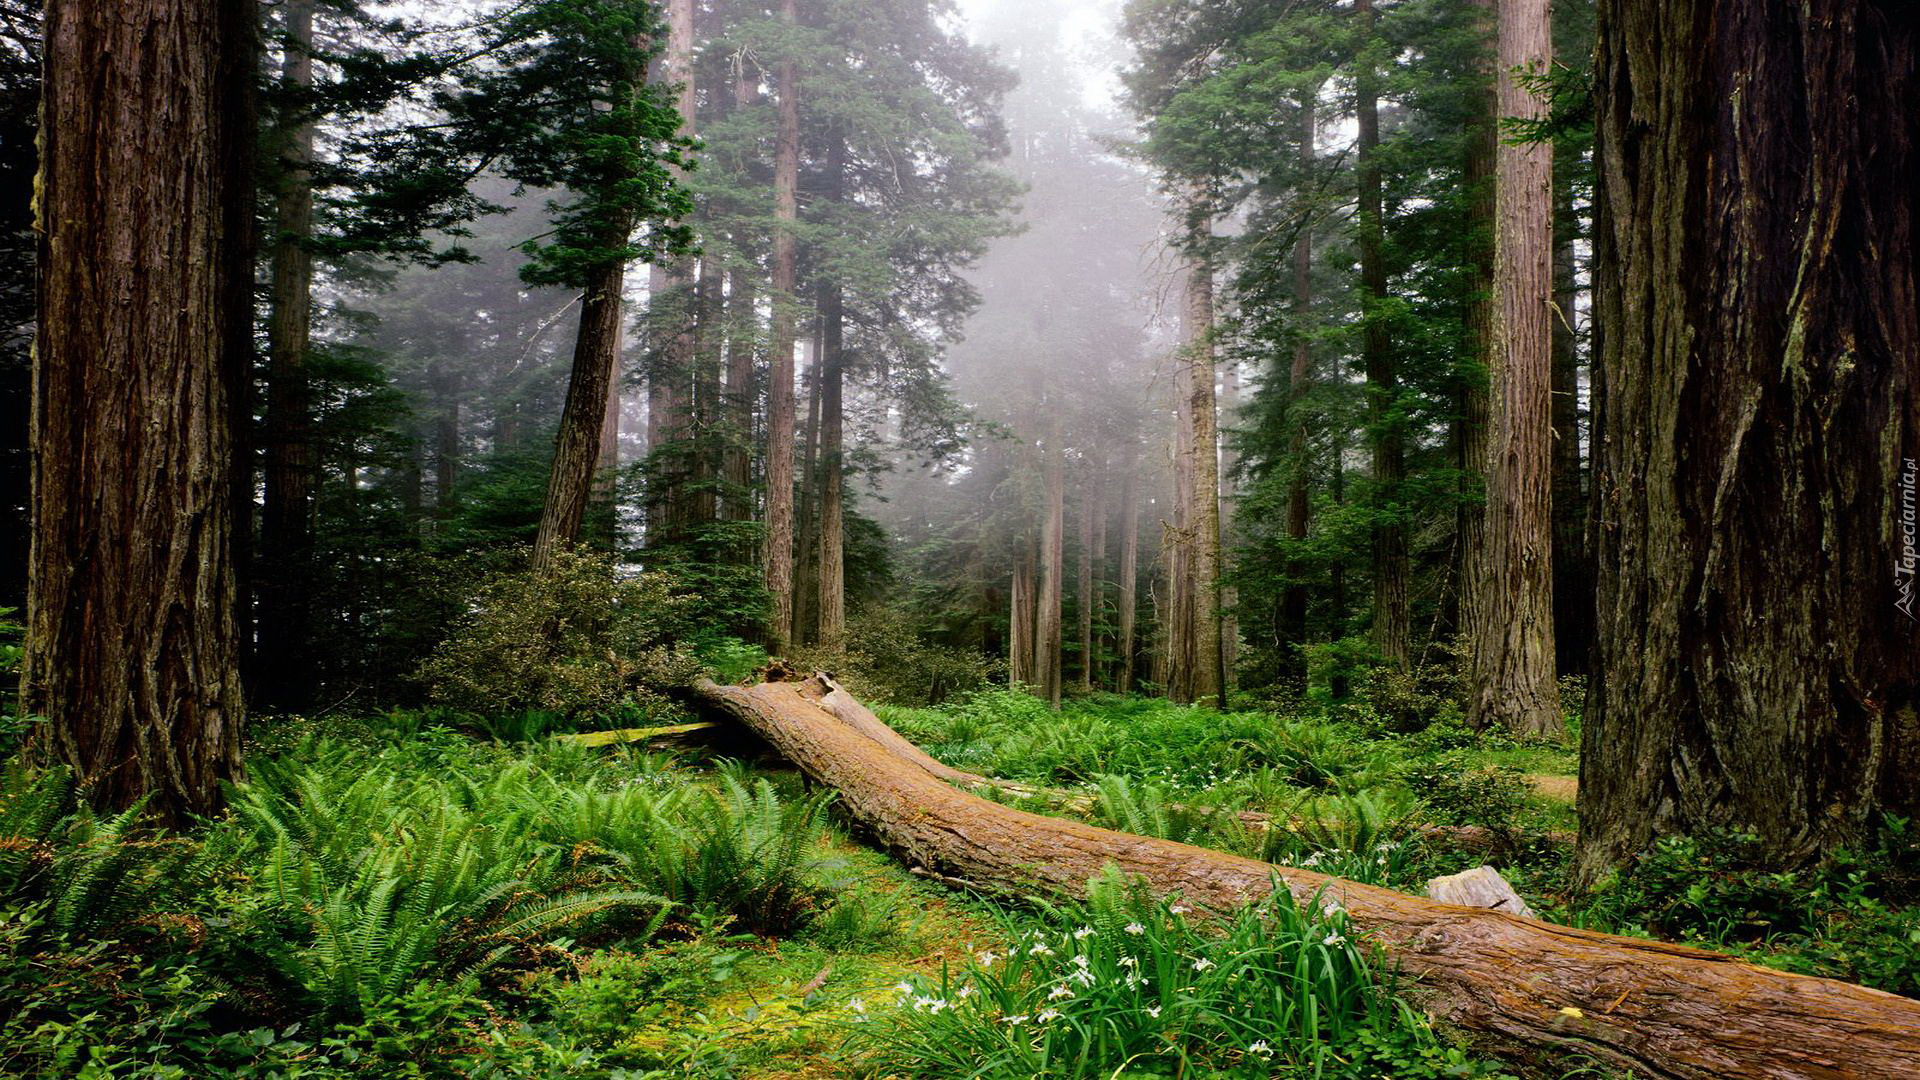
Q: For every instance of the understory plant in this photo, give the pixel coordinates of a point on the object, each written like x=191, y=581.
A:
x=1126, y=984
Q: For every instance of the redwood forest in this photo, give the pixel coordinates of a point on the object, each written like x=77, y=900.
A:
x=978, y=539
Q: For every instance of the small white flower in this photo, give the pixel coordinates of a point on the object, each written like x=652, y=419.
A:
x=1333, y=939
x=1060, y=991
x=1333, y=909
x=1134, y=928
x=931, y=1004
x=986, y=959
x=1015, y=1021
x=1260, y=1047
x=1179, y=909
x=1311, y=860
x=903, y=988
x=1202, y=964
x=1039, y=949
x=1129, y=961
x=1048, y=1014
x=965, y=992
x=1135, y=981
x=856, y=1005
x=1153, y=1011
x=1081, y=960
x=1081, y=976
x=1083, y=933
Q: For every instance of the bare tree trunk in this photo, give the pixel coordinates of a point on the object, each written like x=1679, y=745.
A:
x=1470, y=437
x=144, y=202
x=806, y=589
x=670, y=320
x=1177, y=623
x=1664, y=1011
x=1754, y=284
x=1572, y=565
x=577, y=451
x=607, y=461
x=833, y=567
x=1052, y=567
x=1209, y=657
x=786, y=183
x=1129, y=572
x=1293, y=603
x=1092, y=533
x=285, y=585
x=1391, y=625
x=1020, y=617
x=742, y=337
x=1514, y=673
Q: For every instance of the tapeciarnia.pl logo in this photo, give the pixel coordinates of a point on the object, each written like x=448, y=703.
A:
x=1903, y=568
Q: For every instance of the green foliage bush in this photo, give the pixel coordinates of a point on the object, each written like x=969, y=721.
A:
x=1459, y=792
x=577, y=638
x=885, y=660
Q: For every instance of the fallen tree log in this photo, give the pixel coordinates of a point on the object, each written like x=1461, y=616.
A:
x=834, y=698
x=1662, y=1010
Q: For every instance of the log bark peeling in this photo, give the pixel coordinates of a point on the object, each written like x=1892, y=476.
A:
x=1663, y=1010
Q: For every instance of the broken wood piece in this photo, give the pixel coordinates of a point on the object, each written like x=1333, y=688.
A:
x=1480, y=887
x=638, y=734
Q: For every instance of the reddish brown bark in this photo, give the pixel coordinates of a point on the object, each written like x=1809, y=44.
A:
x=780, y=418
x=1663, y=1010
x=132, y=645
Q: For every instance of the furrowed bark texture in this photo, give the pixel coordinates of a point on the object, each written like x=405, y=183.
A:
x=786, y=212
x=1514, y=676
x=1209, y=657
x=1293, y=603
x=1757, y=667
x=1664, y=1010
x=132, y=644
x=577, y=451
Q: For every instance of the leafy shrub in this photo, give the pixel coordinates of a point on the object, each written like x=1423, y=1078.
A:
x=1124, y=984
x=1459, y=793
x=576, y=638
x=885, y=660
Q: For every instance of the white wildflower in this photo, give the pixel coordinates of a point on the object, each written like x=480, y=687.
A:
x=903, y=988
x=1081, y=976
x=1047, y=1014
x=856, y=1005
x=1179, y=909
x=1129, y=961
x=1083, y=933
x=1060, y=991
x=1015, y=1021
x=986, y=959
x=1082, y=960
x=1039, y=949
x=1260, y=1047
x=1134, y=928
x=965, y=992
x=1333, y=939
x=1153, y=1011
x=1202, y=964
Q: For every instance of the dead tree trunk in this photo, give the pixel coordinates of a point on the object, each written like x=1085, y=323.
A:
x=1667, y=1011
x=1052, y=569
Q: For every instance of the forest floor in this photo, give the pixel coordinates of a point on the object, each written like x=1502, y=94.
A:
x=365, y=911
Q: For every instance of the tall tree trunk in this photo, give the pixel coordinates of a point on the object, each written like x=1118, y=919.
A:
x=1176, y=623
x=577, y=450
x=607, y=460
x=806, y=590
x=1083, y=604
x=670, y=319
x=1470, y=430
x=704, y=416
x=286, y=521
x=1293, y=603
x=1052, y=566
x=1129, y=573
x=786, y=184
x=1209, y=656
x=143, y=202
x=1754, y=284
x=1391, y=625
x=833, y=567
x=742, y=337
x=1337, y=573
x=1572, y=567
x=1514, y=672
x=1020, y=616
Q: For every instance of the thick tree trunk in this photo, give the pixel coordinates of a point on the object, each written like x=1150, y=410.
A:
x=1470, y=438
x=742, y=338
x=606, y=465
x=1755, y=285
x=1052, y=568
x=1020, y=617
x=1662, y=1010
x=703, y=418
x=285, y=654
x=1514, y=674
x=806, y=585
x=1572, y=565
x=1176, y=622
x=1391, y=621
x=577, y=451
x=671, y=342
x=1293, y=602
x=780, y=419
x=1128, y=603
x=1209, y=657
x=132, y=646
x=832, y=368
